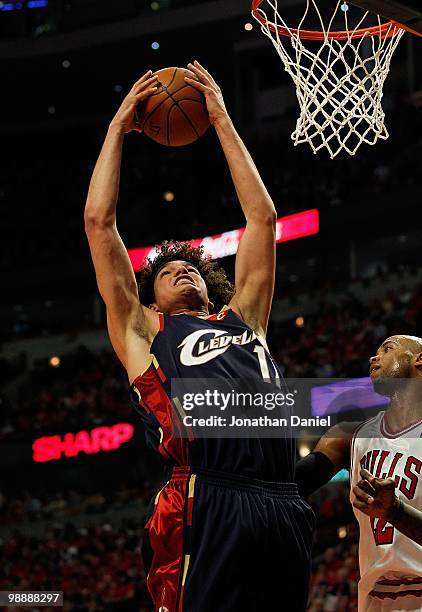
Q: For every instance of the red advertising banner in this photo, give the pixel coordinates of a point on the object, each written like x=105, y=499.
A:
x=96, y=440
x=301, y=224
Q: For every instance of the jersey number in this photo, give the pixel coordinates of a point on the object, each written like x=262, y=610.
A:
x=263, y=364
x=383, y=531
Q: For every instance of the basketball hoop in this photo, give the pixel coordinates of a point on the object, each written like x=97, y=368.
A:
x=339, y=86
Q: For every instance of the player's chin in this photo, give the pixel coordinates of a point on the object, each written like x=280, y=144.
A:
x=189, y=287
x=384, y=385
x=189, y=292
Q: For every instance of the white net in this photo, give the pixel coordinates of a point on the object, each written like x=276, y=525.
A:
x=339, y=82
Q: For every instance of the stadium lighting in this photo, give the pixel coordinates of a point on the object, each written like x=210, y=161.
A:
x=248, y=27
x=33, y=4
x=304, y=450
x=168, y=196
x=18, y=6
x=8, y=6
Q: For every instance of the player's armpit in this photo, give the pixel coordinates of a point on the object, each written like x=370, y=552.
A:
x=132, y=346
x=255, y=272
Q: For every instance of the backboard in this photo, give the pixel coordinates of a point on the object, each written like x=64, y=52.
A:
x=408, y=13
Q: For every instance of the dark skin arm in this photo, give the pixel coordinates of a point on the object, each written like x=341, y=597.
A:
x=335, y=444
x=331, y=454
x=376, y=497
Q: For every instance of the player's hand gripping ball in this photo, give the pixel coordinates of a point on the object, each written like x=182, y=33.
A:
x=203, y=81
x=124, y=119
x=176, y=113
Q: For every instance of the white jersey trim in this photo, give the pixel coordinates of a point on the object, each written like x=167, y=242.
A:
x=390, y=434
x=352, y=443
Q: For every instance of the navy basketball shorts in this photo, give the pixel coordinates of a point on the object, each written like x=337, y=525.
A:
x=217, y=542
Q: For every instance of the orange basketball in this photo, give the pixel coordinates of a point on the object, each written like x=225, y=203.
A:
x=176, y=114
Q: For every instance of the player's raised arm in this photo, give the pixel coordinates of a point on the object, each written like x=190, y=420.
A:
x=255, y=260
x=115, y=276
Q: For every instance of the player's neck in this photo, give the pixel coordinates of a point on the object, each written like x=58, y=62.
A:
x=405, y=407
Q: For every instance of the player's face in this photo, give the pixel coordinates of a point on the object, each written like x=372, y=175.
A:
x=393, y=361
x=179, y=285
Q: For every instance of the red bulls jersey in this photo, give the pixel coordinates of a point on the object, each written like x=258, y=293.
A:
x=390, y=562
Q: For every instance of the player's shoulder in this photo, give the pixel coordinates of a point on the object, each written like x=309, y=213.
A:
x=335, y=443
x=370, y=427
x=412, y=430
x=344, y=430
x=364, y=435
x=343, y=435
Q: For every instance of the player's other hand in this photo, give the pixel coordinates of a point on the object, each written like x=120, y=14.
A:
x=204, y=82
x=375, y=496
x=125, y=118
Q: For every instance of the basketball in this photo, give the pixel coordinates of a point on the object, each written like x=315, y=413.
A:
x=176, y=114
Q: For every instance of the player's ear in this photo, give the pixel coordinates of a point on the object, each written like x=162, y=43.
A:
x=210, y=306
x=154, y=307
x=418, y=362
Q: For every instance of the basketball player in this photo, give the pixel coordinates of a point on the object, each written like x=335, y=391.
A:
x=228, y=532
x=385, y=458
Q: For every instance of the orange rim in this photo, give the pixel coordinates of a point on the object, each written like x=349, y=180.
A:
x=386, y=30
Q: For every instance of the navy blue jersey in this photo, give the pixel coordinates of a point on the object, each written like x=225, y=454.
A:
x=221, y=346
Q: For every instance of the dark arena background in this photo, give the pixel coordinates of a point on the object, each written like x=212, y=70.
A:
x=75, y=474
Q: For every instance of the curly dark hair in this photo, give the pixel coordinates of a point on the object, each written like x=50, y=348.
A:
x=220, y=289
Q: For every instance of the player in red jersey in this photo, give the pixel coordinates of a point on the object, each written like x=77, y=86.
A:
x=229, y=531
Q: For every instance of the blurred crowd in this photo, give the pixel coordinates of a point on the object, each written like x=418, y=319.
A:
x=45, y=318
x=340, y=337
x=335, y=576
x=98, y=568
x=86, y=390
x=64, y=504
